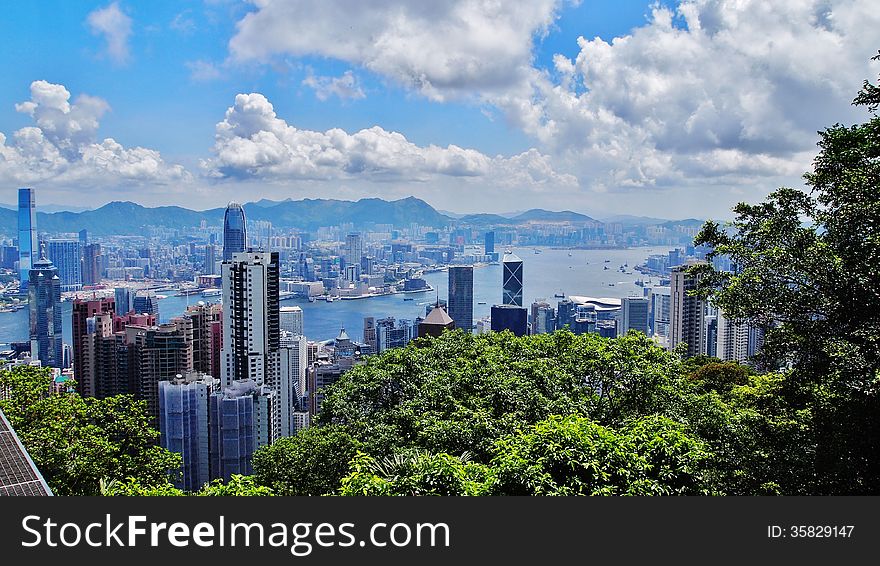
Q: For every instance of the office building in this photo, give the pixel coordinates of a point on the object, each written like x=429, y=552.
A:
x=633, y=315
x=124, y=298
x=183, y=425
x=159, y=354
x=354, y=251
x=661, y=302
x=394, y=334
x=371, y=339
x=67, y=258
x=241, y=420
x=510, y=317
x=543, y=318
x=91, y=264
x=44, y=304
x=489, y=243
x=292, y=384
x=292, y=320
x=234, y=231
x=461, y=296
x=687, y=313
x=146, y=302
x=210, y=264
x=27, y=235
x=512, y=280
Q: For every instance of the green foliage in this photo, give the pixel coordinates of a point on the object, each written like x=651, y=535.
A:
x=77, y=442
x=575, y=456
x=311, y=463
x=236, y=486
x=415, y=472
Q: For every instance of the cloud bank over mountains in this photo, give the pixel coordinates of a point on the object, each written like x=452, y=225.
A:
x=722, y=95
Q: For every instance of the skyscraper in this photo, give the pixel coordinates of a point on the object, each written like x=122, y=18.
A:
x=687, y=314
x=512, y=280
x=234, y=231
x=292, y=320
x=294, y=361
x=251, y=318
x=370, y=336
x=83, y=310
x=543, y=318
x=124, y=299
x=183, y=424
x=733, y=339
x=66, y=255
x=91, y=264
x=27, y=235
x=489, y=243
x=44, y=302
x=241, y=418
x=461, y=296
x=510, y=317
x=354, y=251
x=633, y=315
x=206, y=319
x=210, y=260
x=146, y=302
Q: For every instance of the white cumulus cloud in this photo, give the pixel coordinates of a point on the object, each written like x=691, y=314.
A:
x=62, y=147
x=441, y=49
x=252, y=142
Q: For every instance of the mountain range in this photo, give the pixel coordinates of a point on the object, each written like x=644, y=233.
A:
x=128, y=218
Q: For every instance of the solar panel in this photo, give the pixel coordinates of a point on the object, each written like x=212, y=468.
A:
x=18, y=474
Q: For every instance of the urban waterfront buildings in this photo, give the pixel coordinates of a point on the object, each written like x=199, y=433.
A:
x=234, y=231
x=44, y=303
x=27, y=235
x=461, y=296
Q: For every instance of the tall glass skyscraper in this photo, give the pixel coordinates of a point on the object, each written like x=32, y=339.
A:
x=27, y=234
x=44, y=301
x=461, y=296
x=234, y=231
x=512, y=280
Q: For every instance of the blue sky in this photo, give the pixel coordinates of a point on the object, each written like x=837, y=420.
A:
x=675, y=109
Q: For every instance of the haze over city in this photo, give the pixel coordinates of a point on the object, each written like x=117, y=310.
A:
x=670, y=109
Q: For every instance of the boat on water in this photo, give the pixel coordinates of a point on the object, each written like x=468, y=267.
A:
x=606, y=267
x=481, y=302
x=329, y=299
x=559, y=295
x=569, y=254
x=312, y=299
x=537, y=251
x=407, y=298
x=212, y=292
x=607, y=261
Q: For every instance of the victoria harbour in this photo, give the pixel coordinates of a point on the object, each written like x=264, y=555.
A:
x=550, y=272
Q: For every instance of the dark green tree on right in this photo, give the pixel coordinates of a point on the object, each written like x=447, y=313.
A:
x=807, y=270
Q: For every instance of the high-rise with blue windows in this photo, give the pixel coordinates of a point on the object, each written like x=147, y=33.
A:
x=44, y=302
x=183, y=425
x=67, y=257
x=461, y=296
x=234, y=231
x=27, y=234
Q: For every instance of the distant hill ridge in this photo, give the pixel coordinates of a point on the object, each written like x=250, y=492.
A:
x=129, y=218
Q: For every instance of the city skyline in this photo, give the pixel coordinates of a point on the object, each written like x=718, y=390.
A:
x=672, y=109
